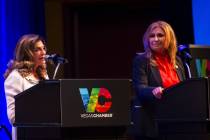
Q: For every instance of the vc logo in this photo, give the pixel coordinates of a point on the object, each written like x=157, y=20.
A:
x=99, y=100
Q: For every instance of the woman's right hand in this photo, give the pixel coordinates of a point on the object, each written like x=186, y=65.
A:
x=157, y=92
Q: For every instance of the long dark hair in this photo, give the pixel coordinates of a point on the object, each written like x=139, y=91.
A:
x=23, y=57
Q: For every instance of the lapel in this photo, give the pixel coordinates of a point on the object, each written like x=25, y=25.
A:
x=156, y=75
x=179, y=73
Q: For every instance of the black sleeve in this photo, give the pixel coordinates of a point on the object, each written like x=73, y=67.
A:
x=140, y=78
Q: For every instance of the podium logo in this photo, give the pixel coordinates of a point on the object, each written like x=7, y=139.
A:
x=99, y=100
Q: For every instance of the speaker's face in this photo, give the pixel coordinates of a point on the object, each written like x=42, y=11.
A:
x=39, y=54
x=157, y=39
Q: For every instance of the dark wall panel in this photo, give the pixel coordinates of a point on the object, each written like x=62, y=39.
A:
x=101, y=39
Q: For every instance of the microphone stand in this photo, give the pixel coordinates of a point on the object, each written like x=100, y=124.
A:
x=56, y=59
x=188, y=69
x=186, y=60
x=186, y=57
x=56, y=70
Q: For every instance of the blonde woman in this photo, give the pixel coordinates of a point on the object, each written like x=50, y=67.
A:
x=155, y=69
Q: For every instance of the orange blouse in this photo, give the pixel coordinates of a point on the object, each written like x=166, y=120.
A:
x=167, y=71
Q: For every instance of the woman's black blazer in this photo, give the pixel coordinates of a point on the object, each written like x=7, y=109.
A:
x=145, y=78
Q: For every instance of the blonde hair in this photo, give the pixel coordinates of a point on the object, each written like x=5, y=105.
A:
x=170, y=41
x=23, y=57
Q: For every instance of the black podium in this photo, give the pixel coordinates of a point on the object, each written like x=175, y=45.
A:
x=74, y=109
x=183, y=112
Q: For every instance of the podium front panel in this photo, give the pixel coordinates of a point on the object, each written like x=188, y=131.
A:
x=39, y=105
x=95, y=102
x=186, y=101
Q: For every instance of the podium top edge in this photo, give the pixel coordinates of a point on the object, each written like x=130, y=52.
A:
x=96, y=79
x=56, y=80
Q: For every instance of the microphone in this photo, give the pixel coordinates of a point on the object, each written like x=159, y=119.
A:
x=183, y=50
x=56, y=58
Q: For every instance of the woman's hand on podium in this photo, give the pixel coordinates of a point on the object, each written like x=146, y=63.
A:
x=157, y=92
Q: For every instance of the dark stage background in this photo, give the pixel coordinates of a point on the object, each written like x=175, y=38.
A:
x=100, y=38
